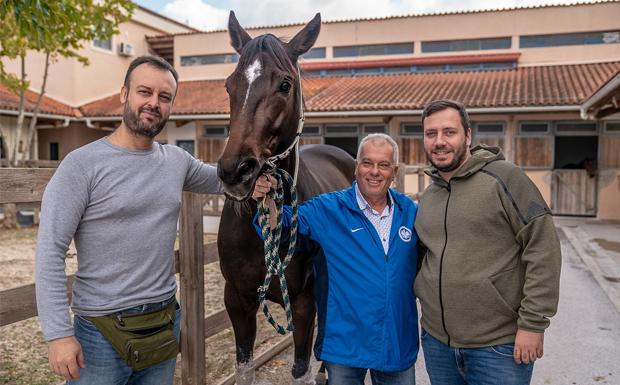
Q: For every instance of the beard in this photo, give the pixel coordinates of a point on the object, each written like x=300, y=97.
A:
x=138, y=126
x=457, y=160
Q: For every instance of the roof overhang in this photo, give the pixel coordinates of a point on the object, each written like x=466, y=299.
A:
x=89, y=121
x=604, y=102
x=346, y=113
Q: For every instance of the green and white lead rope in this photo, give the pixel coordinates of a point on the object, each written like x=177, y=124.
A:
x=272, y=243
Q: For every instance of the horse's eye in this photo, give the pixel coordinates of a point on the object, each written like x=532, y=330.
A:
x=285, y=86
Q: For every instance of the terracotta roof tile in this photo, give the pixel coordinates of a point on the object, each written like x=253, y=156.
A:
x=10, y=101
x=566, y=85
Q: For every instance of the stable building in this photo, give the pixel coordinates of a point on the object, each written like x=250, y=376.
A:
x=542, y=83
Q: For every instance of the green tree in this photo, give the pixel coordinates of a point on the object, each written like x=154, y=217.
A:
x=56, y=28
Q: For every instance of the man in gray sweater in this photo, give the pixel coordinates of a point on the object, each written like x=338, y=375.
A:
x=119, y=199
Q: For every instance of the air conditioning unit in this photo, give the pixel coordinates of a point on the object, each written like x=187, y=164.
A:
x=127, y=49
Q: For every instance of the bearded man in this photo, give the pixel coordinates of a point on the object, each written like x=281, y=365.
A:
x=119, y=198
x=490, y=258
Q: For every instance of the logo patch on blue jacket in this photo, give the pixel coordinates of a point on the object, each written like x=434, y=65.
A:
x=404, y=234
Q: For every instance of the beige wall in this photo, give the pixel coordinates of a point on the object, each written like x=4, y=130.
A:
x=542, y=180
x=510, y=23
x=609, y=193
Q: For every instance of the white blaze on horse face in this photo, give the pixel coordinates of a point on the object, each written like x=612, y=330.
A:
x=251, y=73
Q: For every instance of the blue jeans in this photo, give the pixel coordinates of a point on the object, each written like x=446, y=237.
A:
x=104, y=366
x=483, y=366
x=348, y=375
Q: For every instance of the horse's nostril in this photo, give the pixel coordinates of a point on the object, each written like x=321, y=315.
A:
x=247, y=169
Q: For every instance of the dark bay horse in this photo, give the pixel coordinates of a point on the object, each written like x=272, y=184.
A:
x=588, y=164
x=265, y=109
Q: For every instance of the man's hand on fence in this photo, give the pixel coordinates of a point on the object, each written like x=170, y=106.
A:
x=65, y=355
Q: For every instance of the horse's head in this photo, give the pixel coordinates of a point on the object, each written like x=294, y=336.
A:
x=589, y=164
x=265, y=103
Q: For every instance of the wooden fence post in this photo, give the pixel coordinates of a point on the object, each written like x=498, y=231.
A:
x=399, y=181
x=191, y=271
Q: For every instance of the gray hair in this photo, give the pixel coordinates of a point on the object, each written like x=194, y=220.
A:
x=377, y=139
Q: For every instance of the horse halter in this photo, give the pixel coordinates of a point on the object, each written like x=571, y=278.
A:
x=271, y=162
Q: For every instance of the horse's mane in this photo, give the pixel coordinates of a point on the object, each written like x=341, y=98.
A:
x=270, y=45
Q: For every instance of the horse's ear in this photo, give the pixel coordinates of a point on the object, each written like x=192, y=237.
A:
x=238, y=36
x=305, y=39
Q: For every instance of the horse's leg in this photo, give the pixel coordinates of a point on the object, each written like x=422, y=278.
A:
x=242, y=313
x=302, y=307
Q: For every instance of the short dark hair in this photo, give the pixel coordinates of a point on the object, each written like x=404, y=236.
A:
x=152, y=60
x=443, y=104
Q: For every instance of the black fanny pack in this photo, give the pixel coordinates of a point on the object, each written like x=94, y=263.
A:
x=141, y=339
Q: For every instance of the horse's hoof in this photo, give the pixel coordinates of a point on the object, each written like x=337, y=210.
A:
x=244, y=373
x=306, y=379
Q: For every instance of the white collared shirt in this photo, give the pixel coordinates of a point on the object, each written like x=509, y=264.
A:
x=381, y=221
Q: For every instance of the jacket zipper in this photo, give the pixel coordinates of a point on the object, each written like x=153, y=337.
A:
x=445, y=227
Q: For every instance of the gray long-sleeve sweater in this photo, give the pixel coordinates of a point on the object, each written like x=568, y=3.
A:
x=121, y=207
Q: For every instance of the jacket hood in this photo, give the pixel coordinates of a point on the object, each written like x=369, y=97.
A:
x=481, y=155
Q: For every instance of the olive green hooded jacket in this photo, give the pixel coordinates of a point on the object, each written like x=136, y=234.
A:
x=490, y=256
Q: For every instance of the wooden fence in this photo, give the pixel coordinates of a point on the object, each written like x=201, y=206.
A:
x=19, y=303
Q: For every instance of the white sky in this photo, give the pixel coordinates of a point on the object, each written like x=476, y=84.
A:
x=209, y=15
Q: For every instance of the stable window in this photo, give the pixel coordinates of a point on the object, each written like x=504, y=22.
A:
x=490, y=133
x=311, y=130
x=188, y=61
x=367, y=71
x=612, y=127
x=375, y=49
x=187, y=145
x=338, y=72
x=564, y=39
x=576, y=127
x=315, y=53
x=411, y=129
x=610, y=151
x=466, y=45
x=534, y=128
x=373, y=128
x=214, y=131
x=341, y=129
x=212, y=143
x=533, y=147
x=490, y=128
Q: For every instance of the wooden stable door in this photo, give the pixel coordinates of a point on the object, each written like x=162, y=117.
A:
x=573, y=192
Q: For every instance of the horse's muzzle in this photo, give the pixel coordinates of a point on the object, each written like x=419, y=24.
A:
x=238, y=178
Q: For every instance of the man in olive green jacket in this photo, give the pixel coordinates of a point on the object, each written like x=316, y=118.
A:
x=490, y=259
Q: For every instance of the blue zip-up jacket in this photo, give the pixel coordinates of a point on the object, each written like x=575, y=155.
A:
x=367, y=314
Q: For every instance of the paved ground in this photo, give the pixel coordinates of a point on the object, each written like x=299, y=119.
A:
x=581, y=346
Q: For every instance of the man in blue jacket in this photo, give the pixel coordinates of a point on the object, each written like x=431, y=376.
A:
x=365, y=268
